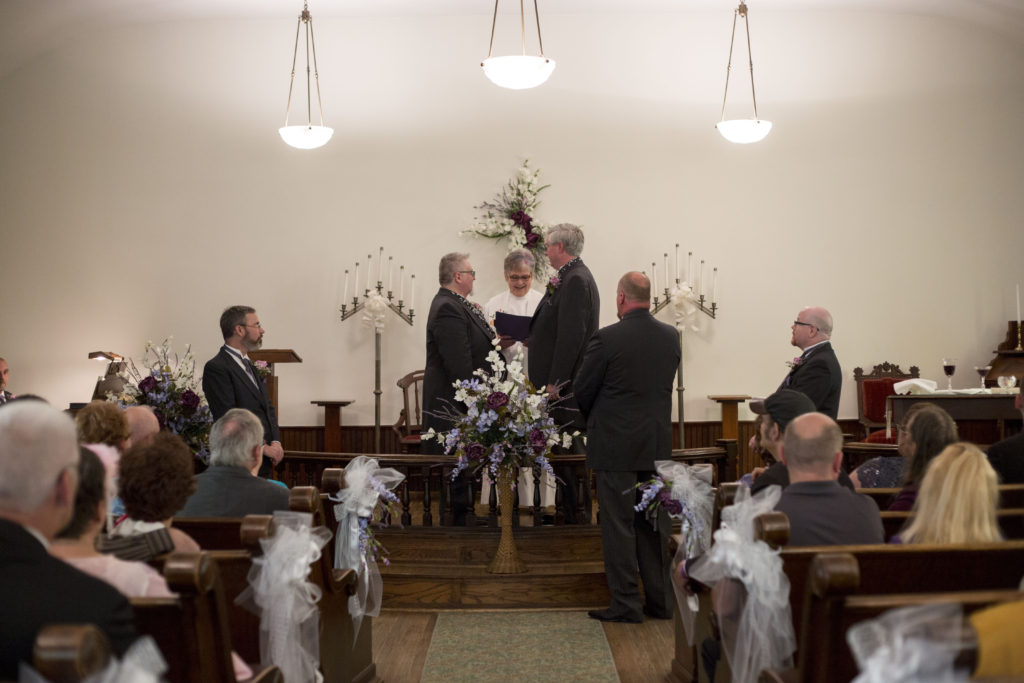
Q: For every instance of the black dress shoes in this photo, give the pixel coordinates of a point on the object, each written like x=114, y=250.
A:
x=605, y=615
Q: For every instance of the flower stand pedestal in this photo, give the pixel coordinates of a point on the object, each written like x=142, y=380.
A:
x=506, y=559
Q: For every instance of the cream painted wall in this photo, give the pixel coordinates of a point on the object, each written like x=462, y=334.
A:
x=144, y=188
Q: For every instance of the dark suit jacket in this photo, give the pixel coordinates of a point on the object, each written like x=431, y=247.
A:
x=819, y=378
x=624, y=390
x=1007, y=458
x=457, y=344
x=225, y=491
x=38, y=589
x=227, y=386
x=561, y=327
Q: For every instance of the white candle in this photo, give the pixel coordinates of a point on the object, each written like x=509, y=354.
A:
x=654, y=277
x=401, y=282
x=666, y=276
x=344, y=297
x=1018, y=305
x=355, y=281
x=369, y=269
x=714, y=282
x=380, y=266
x=391, y=273
x=700, y=278
x=689, y=268
x=677, y=264
x=412, y=289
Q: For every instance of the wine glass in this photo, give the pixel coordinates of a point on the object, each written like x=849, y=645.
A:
x=949, y=367
x=1006, y=381
x=982, y=370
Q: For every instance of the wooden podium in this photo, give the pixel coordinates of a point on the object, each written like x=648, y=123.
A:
x=272, y=357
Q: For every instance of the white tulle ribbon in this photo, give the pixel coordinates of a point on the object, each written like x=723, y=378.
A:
x=691, y=486
x=375, y=309
x=684, y=306
x=910, y=645
x=141, y=663
x=755, y=620
x=364, y=482
x=281, y=594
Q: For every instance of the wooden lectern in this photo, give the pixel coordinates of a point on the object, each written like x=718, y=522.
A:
x=272, y=357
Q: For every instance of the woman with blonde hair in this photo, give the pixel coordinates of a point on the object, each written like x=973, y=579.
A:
x=957, y=501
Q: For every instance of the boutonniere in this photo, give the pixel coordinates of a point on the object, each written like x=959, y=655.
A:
x=795, y=362
x=262, y=369
x=553, y=284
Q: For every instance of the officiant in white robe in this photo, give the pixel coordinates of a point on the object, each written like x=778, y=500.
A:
x=519, y=299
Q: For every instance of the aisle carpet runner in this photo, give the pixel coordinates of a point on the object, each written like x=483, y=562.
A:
x=518, y=646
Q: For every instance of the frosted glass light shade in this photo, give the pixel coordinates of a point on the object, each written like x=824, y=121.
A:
x=306, y=137
x=518, y=72
x=744, y=131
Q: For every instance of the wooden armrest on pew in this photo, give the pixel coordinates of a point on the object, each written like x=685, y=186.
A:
x=191, y=629
x=65, y=653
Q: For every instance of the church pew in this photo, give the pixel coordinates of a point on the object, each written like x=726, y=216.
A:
x=884, y=568
x=1010, y=496
x=66, y=653
x=191, y=629
x=1011, y=522
x=836, y=601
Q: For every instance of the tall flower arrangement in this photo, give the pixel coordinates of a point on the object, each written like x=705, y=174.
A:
x=510, y=215
x=506, y=423
x=168, y=384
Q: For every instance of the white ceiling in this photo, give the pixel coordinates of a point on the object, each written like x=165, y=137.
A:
x=29, y=28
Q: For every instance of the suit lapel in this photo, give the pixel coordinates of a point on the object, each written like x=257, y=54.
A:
x=240, y=374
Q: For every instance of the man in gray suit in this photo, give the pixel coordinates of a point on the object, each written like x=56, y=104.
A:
x=624, y=389
x=230, y=487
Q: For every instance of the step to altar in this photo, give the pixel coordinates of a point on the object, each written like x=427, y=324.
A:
x=433, y=568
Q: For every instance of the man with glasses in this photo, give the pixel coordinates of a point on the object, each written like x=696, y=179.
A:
x=816, y=373
x=230, y=380
x=458, y=341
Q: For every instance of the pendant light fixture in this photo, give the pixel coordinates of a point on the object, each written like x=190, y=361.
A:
x=306, y=136
x=518, y=72
x=742, y=130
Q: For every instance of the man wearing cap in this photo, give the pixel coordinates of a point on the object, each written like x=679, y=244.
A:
x=816, y=373
x=779, y=410
x=820, y=511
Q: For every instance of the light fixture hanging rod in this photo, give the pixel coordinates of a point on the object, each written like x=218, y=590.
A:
x=522, y=28
x=750, y=55
x=540, y=42
x=728, y=68
x=291, y=83
x=309, y=94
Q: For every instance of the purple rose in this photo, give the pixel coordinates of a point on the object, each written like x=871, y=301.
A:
x=475, y=452
x=671, y=505
x=538, y=441
x=521, y=218
x=147, y=384
x=189, y=399
x=531, y=239
x=497, y=400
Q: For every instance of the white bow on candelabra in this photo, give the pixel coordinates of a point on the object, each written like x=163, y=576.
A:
x=375, y=304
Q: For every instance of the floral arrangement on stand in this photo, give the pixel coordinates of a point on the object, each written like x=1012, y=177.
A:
x=510, y=216
x=684, y=492
x=506, y=423
x=169, y=386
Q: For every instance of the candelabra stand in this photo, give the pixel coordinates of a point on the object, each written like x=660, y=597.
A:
x=657, y=305
x=358, y=306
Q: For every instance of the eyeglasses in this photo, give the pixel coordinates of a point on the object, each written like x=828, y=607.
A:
x=797, y=322
x=256, y=325
x=470, y=272
x=519, y=278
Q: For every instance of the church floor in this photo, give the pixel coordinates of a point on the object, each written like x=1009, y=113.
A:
x=642, y=652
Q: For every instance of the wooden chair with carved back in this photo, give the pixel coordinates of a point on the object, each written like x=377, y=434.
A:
x=410, y=420
x=873, y=390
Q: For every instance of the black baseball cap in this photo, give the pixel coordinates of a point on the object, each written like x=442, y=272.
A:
x=783, y=406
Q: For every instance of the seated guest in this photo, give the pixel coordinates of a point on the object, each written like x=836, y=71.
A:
x=103, y=422
x=154, y=483
x=776, y=412
x=957, y=501
x=820, y=511
x=1007, y=456
x=886, y=471
x=76, y=543
x=38, y=479
x=928, y=432
x=230, y=487
x=142, y=424
x=5, y=374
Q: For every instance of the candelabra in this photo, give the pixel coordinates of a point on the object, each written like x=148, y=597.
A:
x=692, y=294
x=397, y=305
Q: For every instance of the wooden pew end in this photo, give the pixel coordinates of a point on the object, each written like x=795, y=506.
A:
x=70, y=652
